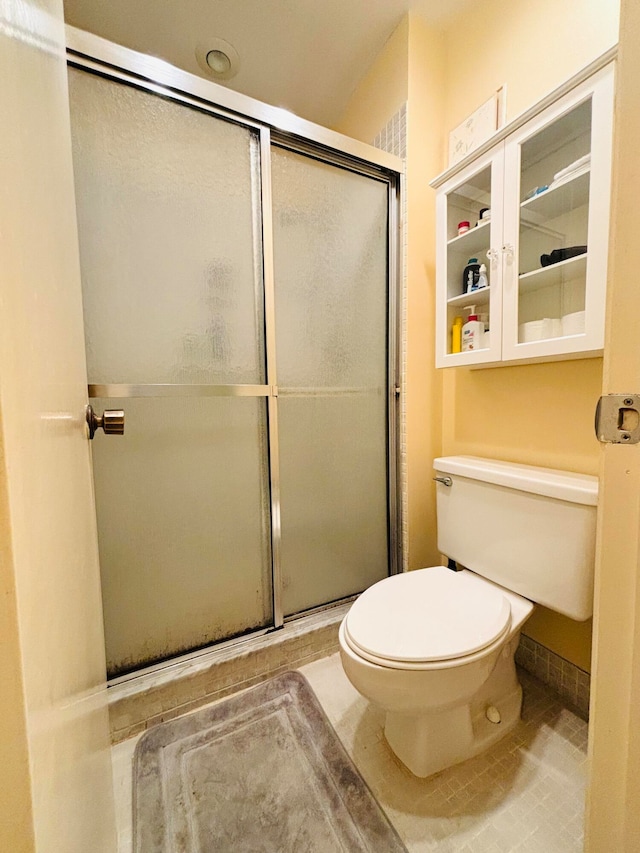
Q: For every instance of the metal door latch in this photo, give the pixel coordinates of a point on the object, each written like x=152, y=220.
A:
x=618, y=419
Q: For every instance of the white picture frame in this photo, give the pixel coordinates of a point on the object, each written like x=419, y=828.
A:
x=478, y=127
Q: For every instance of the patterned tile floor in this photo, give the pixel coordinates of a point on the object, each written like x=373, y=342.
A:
x=526, y=794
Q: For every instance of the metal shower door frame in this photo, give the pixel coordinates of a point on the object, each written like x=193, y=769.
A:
x=274, y=127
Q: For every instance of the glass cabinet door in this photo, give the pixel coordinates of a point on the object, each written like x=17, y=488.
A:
x=557, y=172
x=469, y=217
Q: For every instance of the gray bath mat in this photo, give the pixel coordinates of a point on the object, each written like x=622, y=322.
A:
x=262, y=772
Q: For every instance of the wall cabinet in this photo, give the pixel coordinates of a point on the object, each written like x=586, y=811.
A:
x=543, y=189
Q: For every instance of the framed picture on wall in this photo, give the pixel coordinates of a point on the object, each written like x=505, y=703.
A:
x=478, y=127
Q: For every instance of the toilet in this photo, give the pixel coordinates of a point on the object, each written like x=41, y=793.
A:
x=435, y=648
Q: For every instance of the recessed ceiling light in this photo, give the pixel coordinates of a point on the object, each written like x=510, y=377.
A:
x=218, y=59
x=218, y=62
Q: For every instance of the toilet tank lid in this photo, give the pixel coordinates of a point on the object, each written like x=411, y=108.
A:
x=562, y=485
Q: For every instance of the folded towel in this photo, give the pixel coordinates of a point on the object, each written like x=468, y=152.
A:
x=572, y=167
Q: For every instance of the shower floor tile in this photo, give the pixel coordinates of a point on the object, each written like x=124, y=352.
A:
x=526, y=794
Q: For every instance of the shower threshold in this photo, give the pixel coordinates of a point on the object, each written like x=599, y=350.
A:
x=161, y=692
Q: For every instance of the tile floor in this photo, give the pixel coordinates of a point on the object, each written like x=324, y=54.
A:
x=526, y=794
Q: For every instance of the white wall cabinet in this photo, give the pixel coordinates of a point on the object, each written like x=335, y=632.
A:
x=546, y=182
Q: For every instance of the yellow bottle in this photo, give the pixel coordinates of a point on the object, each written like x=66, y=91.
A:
x=456, y=335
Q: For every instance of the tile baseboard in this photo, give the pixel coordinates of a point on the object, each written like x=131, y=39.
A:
x=567, y=680
x=155, y=697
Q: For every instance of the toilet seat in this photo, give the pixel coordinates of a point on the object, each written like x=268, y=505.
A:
x=427, y=619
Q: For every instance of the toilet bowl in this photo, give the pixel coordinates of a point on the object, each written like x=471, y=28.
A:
x=435, y=648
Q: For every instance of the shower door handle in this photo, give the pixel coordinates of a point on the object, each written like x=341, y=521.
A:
x=111, y=421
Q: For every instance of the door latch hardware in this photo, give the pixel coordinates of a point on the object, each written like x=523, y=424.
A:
x=617, y=419
x=111, y=421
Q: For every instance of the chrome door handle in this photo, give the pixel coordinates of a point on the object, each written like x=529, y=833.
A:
x=111, y=421
x=446, y=481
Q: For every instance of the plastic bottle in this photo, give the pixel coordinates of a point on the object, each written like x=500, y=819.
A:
x=456, y=335
x=470, y=275
x=472, y=331
x=483, y=281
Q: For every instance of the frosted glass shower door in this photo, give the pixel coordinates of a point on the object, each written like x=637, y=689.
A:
x=168, y=200
x=330, y=233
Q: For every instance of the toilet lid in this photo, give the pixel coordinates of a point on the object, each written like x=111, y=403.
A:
x=428, y=615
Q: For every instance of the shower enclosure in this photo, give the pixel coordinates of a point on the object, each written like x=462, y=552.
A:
x=239, y=294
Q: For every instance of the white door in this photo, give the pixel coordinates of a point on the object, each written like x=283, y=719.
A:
x=613, y=817
x=56, y=789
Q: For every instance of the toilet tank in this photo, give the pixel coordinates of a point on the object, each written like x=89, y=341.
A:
x=531, y=530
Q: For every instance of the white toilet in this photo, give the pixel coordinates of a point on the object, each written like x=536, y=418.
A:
x=435, y=648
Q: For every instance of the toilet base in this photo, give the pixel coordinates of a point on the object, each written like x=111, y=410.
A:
x=429, y=742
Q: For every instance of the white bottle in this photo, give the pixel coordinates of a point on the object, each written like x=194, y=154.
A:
x=483, y=281
x=472, y=332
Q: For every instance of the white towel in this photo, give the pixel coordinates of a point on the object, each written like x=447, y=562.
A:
x=572, y=167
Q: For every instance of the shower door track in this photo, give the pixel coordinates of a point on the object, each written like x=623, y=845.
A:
x=85, y=50
x=275, y=127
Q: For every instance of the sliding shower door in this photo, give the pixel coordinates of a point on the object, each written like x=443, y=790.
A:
x=330, y=230
x=171, y=255
x=236, y=297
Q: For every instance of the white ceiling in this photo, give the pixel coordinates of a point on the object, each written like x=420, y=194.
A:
x=305, y=55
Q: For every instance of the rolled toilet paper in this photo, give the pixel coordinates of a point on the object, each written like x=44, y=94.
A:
x=574, y=323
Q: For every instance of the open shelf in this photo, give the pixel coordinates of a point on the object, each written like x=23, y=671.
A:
x=560, y=198
x=476, y=297
x=554, y=274
x=472, y=241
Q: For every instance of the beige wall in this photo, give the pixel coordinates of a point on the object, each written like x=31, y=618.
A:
x=423, y=382
x=411, y=68
x=382, y=91
x=530, y=46
x=536, y=414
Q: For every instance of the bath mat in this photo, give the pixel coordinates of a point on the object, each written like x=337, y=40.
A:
x=262, y=772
